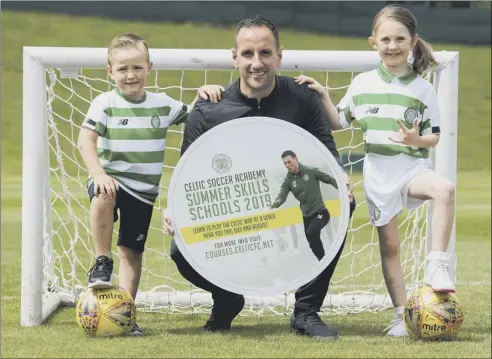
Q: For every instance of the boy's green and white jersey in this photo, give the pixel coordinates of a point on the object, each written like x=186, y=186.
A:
x=377, y=98
x=132, y=138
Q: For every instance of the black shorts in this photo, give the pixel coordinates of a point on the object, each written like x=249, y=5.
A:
x=135, y=219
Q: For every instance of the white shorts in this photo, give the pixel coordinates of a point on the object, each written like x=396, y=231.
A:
x=386, y=183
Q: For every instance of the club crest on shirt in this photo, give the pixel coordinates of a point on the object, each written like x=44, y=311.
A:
x=155, y=121
x=294, y=184
x=305, y=178
x=410, y=115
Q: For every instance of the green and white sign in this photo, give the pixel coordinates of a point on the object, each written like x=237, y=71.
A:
x=259, y=206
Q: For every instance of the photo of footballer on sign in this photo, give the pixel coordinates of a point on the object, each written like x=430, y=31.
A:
x=260, y=206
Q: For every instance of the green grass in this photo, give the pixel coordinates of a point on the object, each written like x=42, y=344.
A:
x=175, y=335
x=252, y=336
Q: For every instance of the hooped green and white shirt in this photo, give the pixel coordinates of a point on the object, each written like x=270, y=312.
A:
x=132, y=138
x=377, y=98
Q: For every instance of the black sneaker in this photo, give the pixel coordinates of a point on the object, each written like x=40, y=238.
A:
x=309, y=323
x=136, y=331
x=223, y=314
x=101, y=273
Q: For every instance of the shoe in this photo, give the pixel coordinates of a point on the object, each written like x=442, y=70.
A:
x=309, y=323
x=136, y=331
x=441, y=280
x=101, y=273
x=223, y=314
x=397, y=327
x=437, y=274
x=216, y=327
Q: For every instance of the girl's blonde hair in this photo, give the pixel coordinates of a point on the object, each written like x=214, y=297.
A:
x=125, y=40
x=423, y=60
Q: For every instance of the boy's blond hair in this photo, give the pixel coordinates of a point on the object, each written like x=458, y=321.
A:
x=125, y=40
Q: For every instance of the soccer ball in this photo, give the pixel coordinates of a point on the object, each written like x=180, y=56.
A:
x=106, y=312
x=431, y=315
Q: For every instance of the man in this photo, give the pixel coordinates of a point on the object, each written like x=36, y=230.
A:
x=260, y=92
x=303, y=182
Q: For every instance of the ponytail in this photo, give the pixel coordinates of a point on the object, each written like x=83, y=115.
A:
x=423, y=60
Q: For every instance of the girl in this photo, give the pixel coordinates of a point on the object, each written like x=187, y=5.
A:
x=397, y=110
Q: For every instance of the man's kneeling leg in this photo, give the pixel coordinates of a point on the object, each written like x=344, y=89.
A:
x=309, y=299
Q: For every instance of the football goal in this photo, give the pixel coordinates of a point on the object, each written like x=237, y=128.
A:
x=57, y=250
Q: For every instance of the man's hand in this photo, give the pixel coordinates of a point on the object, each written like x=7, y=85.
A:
x=348, y=182
x=212, y=92
x=167, y=223
x=105, y=185
x=275, y=204
x=405, y=136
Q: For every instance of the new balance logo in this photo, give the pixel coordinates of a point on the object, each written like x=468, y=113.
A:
x=372, y=110
x=123, y=122
x=319, y=216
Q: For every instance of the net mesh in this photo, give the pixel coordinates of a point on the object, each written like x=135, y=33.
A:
x=357, y=285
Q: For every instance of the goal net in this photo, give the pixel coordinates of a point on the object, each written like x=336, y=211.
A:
x=57, y=248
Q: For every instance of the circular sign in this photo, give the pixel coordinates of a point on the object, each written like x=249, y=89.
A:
x=259, y=206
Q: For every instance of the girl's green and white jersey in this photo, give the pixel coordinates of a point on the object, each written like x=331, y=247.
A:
x=376, y=99
x=132, y=138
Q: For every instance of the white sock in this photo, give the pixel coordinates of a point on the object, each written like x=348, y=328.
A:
x=399, y=310
x=438, y=256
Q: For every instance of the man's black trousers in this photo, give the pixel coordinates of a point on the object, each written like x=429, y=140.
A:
x=312, y=228
x=310, y=295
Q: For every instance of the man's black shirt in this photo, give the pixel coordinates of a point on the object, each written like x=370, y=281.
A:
x=288, y=101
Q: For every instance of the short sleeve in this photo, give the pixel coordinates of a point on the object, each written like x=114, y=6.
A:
x=96, y=118
x=346, y=108
x=195, y=127
x=179, y=112
x=431, y=119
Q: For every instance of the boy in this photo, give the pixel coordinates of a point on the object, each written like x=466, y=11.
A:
x=122, y=142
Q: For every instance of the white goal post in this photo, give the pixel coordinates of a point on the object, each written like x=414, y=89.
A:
x=51, y=270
